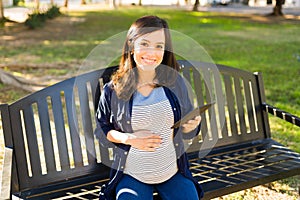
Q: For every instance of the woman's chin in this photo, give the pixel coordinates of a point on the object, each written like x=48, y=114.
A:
x=148, y=67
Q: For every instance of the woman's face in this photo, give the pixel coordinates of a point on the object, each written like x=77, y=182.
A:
x=149, y=50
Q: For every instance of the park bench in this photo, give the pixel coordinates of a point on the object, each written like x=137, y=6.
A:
x=55, y=154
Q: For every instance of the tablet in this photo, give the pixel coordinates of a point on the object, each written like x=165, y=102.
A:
x=191, y=115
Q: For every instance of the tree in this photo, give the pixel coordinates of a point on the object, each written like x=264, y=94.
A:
x=1, y=11
x=30, y=84
x=66, y=3
x=112, y=3
x=195, y=8
x=37, y=5
x=277, y=10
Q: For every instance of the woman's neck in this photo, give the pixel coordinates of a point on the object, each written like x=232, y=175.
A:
x=146, y=76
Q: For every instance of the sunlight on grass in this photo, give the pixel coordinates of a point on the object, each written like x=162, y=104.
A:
x=76, y=14
x=198, y=14
x=252, y=46
x=285, y=133
x=205, y=20
x=248, y=45
x=239, y=41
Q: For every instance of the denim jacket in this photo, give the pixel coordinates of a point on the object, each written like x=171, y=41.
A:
x=115, y=113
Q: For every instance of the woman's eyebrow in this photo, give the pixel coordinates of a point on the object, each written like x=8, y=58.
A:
x=145, y=40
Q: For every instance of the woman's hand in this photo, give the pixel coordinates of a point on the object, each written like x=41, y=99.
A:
x=191, y=124
x=144, y=140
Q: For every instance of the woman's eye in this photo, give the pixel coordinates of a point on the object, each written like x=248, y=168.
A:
x=144, y=44
x=159, y=46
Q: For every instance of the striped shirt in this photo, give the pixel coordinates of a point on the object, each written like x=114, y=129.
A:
x=154, y=113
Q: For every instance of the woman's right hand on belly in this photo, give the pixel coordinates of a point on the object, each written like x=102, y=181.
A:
x=144, y=140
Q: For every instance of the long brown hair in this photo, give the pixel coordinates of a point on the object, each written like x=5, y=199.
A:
x=125, y=78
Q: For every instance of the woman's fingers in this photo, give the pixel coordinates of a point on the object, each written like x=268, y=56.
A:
x=153, y=142
x=191, y=124
x=146, y=140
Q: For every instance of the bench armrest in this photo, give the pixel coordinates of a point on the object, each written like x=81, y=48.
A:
x=281, y=114
x=5, y=176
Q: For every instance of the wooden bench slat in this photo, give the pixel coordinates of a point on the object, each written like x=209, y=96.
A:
x=211, y=114
x=198, y=88
x=48, y=147
x=86, y=122
x=18, y=146
x=73, y=127
x=239, y=104
x=58, y=116
x=259, y=115
x=249, y=103
x=230, y=102
x=34, y=161
x=220, y=98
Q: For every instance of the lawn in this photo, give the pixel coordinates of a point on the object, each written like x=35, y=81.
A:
x=253, y=43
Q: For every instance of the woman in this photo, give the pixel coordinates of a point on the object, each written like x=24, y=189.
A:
x=136, y=110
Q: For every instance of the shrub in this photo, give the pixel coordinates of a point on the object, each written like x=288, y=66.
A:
x=53, y=12
x=38, y=18
x=35, y=20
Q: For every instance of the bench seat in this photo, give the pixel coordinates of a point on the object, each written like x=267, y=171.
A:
x=223, y=171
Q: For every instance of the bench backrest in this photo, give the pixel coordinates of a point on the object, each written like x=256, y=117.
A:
x=51, y=131
x=237, y=116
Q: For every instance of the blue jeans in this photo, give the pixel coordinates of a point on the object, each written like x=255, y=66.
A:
x=177, y=187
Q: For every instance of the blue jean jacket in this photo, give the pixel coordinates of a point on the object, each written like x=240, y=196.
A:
x=115, y=114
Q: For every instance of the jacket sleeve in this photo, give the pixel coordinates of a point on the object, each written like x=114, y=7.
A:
x=103, y=116
x=186, y=105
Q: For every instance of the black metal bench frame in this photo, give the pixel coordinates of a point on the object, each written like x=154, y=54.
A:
x=56, y=156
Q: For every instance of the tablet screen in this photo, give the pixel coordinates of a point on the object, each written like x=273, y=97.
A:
x=191, y=115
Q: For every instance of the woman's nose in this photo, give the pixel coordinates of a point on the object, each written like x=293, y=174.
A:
x=151, y=50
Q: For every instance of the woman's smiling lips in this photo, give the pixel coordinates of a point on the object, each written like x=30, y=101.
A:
x=149, y=61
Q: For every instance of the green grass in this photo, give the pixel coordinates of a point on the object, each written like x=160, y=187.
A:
x=12, y=94
x=270, y=48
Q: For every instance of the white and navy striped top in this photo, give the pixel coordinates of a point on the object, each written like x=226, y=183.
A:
x=154, y=113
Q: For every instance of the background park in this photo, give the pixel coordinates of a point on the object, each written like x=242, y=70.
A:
x=50, y=44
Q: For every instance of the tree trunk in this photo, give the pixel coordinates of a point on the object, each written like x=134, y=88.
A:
x=9, y=79
x=195, y=8
x=1, y=11
x=140, y=2
x=37, y=5
x=83, y=2
x=112, y=4
x=277, y=10
x=30, y=85
x=66, y=3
